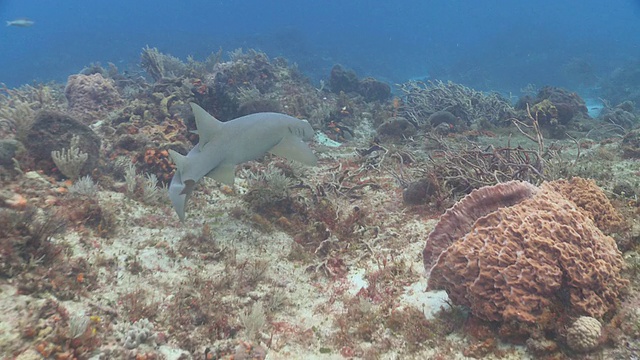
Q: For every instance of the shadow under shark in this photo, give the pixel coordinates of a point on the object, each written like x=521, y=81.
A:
x=223, y=145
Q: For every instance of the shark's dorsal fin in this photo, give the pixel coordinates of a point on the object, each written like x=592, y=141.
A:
x=178, y=159
x=207, y=125
x=293, y=148
x=224, y=173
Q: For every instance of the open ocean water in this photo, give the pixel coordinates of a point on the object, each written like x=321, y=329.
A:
x=496, y=45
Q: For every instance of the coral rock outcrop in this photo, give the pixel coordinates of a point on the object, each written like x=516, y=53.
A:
x=91, y=96
x=53, y=131
x=516, y=252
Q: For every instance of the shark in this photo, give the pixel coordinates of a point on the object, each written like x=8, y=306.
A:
x=223, y=145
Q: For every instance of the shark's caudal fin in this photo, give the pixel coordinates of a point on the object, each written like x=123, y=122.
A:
x=207, y=125
x=178, y=199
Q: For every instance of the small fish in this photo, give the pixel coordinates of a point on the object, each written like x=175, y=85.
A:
x=22, y=22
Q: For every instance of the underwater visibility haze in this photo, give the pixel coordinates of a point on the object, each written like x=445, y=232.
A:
x=484, y=43
x=320, y=180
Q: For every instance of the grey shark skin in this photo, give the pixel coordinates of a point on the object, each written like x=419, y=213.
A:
x=222, y=146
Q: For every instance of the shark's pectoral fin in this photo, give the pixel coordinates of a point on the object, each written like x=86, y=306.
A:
x=293, y=148
x=225, y=173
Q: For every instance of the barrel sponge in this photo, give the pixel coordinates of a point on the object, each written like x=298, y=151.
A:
x=529, y=252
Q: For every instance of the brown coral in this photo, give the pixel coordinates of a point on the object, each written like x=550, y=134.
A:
x=91, y=97
x=589, y=198
x=510, y=252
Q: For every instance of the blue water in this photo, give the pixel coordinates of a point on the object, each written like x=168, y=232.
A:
x=486, y=44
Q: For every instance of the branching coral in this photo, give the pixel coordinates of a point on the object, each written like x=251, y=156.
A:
x=514, y=252
x=160, y=66
x=18, y=107
x=423, y=99
x=70, y=160
x=470, y=167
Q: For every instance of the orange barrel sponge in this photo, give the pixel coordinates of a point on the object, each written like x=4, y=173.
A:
x=516, y=252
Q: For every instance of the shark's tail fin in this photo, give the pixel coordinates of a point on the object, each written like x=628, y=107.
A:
x=8, y=23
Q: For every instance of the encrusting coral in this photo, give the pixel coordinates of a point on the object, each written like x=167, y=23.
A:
x=514, y=252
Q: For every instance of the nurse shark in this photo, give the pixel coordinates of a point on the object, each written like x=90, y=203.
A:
x=223, y=145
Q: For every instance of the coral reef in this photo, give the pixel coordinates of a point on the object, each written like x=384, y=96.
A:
x=516, y=253
x=9, y=149
x=621, y=115
x=464, y=168
x=556, y=110
x=53, y=131
x=91, y=97
x=584, y=334
x=308, y=262
x=621, y=84
x=631, y=144
x=420, y=192
x=396, y=129
x=459, y=220
x=443, y=117
x=569, y=105
x=470, y=106
x=343, y=80
x=70, y=161
x=18, y=107
x=374, y=90
x=139, y=332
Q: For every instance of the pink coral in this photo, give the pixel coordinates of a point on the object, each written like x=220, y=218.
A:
x=91, y=97
x=529, y=252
